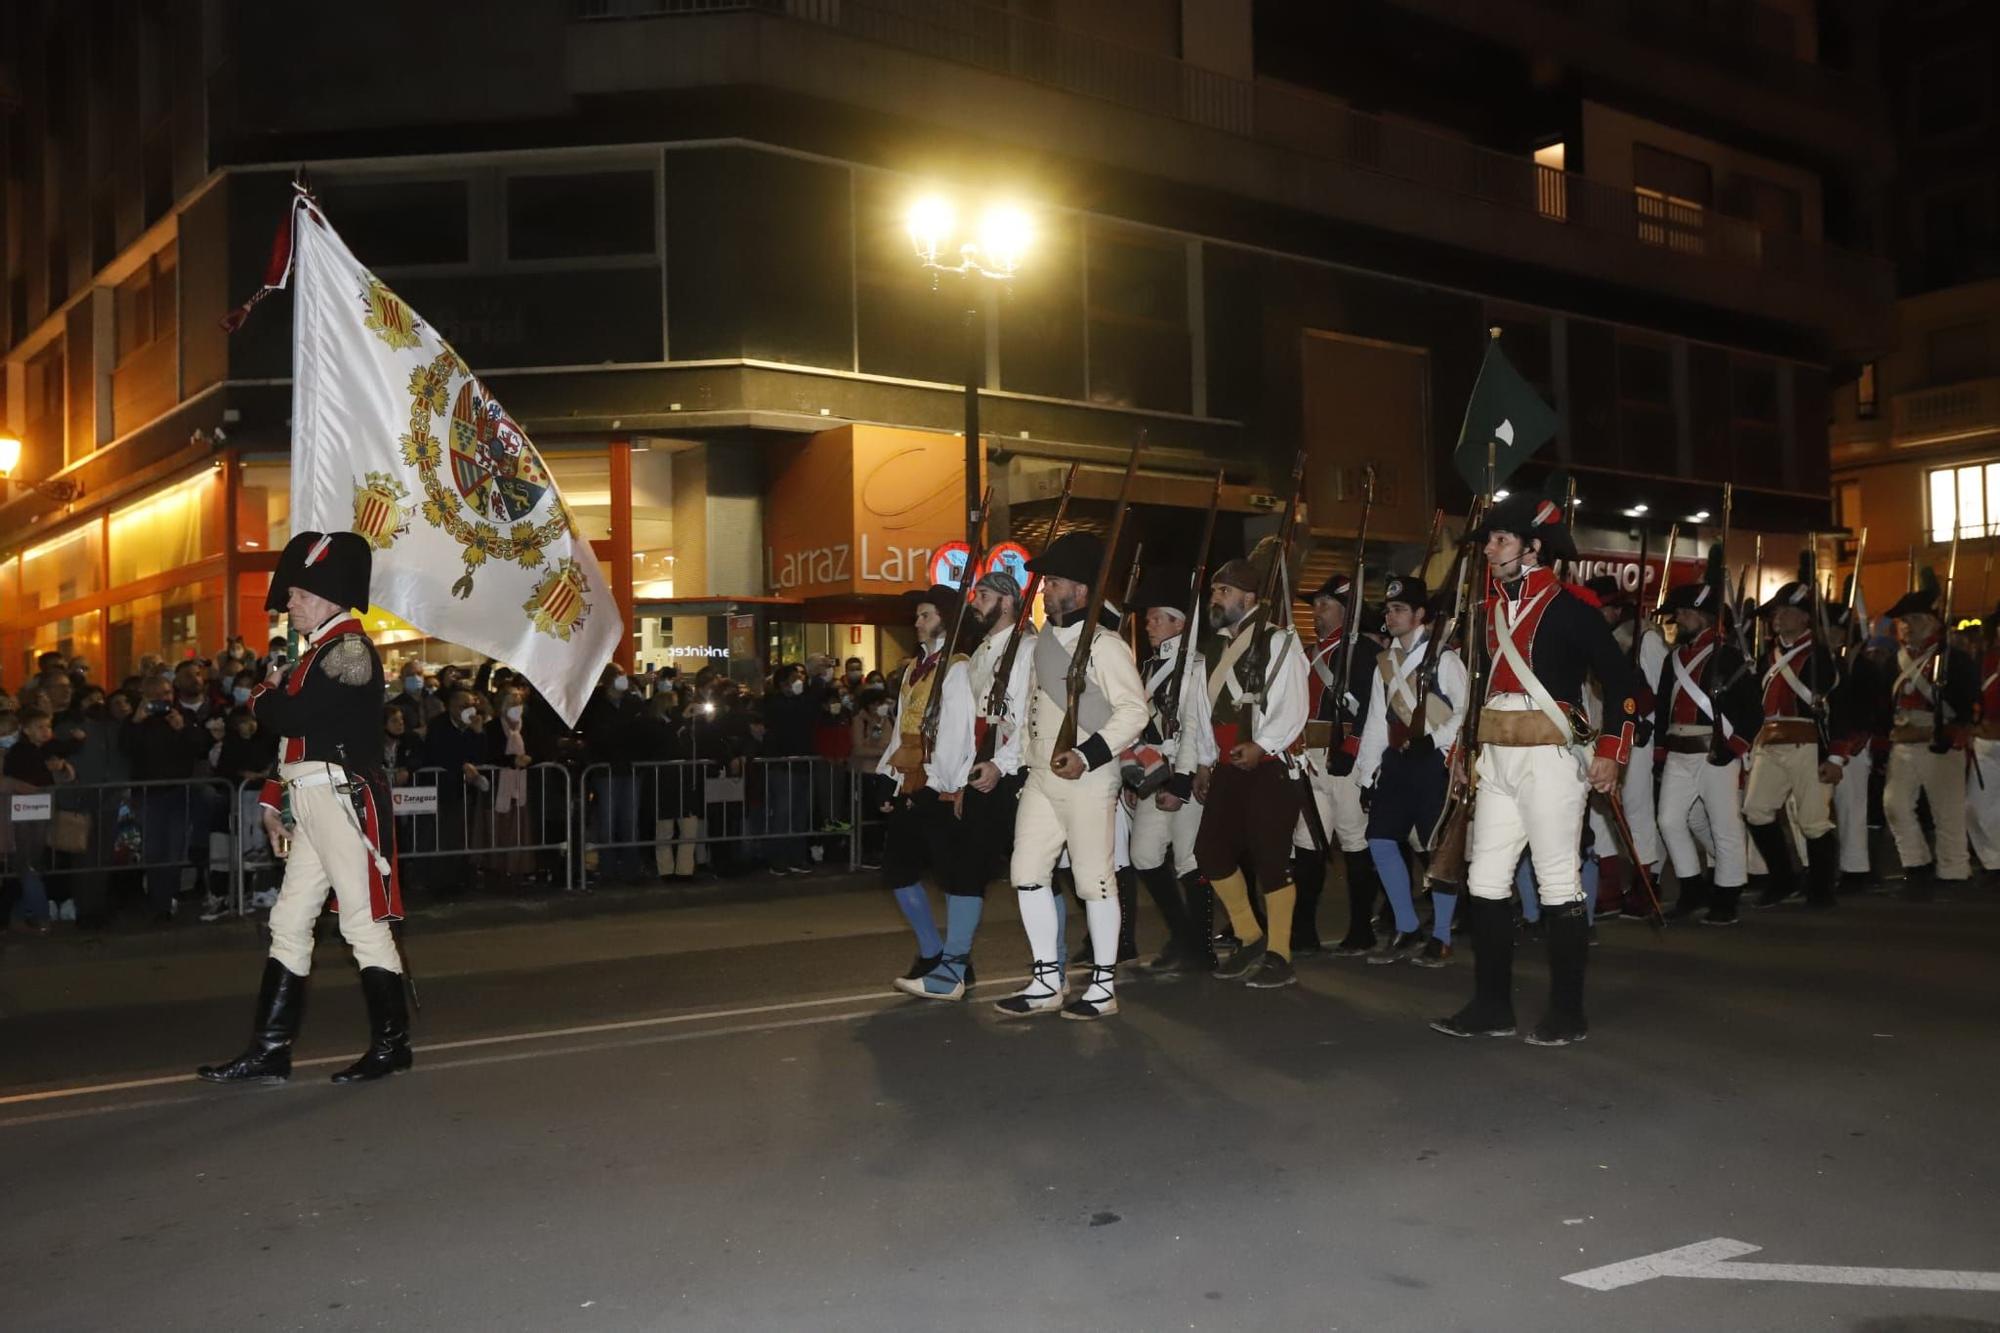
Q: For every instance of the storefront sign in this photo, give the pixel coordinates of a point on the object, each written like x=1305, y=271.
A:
x=1624, y=566
x=413, y=801
x=863, y=509
x=31, y=809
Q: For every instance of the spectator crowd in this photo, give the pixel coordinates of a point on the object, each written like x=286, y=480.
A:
x=666, y=775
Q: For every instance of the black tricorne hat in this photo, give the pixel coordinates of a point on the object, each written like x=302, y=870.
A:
x=942, y=596
x=1706, y=595
x=333, y=565
x=1407, y=589
x=1337, y=586
x=1526, y=515
x=1799, y=592
x=1074, y=556
x=1922, y=599
x=1162, y=586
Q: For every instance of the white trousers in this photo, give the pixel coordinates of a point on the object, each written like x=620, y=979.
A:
x=1081, y=815
x=1155, y=831
x=1850, y=813
x=1913, y=769
x=1688, y=780
x=1530, y=796
x=1340, y=812
x=1782, y=774
x=328, y=856
x=1638, y=796
x=1982, y=804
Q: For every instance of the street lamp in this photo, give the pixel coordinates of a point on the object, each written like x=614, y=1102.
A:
x=61, y=490
x=992, y=255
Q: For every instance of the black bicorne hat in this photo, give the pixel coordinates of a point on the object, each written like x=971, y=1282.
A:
x=333, y=565
x=1074, y=556
x=1707, y=595
x=1162, y=586
x=1526, y=514
x=1798, y=592
x=1922, y=599
x=1407, y=589
x=1337, y=586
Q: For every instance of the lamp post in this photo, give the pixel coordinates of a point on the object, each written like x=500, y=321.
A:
x=62, y=490
x=993, y=256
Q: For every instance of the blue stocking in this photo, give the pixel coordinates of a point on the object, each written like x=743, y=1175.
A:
x=1524, y=884
x=1442, y=907
x=916, y=908
x=1395, y=875
x=1588, y=875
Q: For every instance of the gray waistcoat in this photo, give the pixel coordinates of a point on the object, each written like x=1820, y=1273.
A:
x=1052, y=673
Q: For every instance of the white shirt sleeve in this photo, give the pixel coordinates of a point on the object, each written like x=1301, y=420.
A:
x=1374, y=733
x=1454, y=684
x=1007, y=749
x=951, y=753
x=1117, y=675
x=882, y=766
x=1283, y=715
x=1195, y=746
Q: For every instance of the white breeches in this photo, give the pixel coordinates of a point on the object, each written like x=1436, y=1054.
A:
x=1689, y=780
x=1340, y=812
x=1530, y=796
x=328, y=856
x=1081, y=815
x=1154, y=831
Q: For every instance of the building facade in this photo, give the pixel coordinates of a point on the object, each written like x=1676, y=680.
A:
x=670, y=234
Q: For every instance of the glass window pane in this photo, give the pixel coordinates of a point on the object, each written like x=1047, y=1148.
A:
x=61, y=571
x=1992, y=471
x=75, y=636
x=264, y=506
x=1041, y=315
x=580, y=214
x=653, y=521
x=1944, y=504
x=1971, y=516
x=180, y=623
x=165, y=531
x=391, y=223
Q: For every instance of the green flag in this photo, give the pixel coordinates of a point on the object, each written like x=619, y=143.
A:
x=1506, y=412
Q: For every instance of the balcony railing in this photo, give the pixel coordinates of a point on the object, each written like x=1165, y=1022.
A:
x=1293, y=118
x=1948, y=412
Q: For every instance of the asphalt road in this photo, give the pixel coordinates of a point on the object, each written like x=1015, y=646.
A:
x=719, y=1117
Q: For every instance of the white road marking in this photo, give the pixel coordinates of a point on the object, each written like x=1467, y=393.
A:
x=546, y=1034
x=1707, y=1259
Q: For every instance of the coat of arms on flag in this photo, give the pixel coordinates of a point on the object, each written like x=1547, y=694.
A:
x=395, y=438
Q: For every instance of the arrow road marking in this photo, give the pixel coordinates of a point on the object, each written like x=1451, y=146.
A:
x=1707, y=1259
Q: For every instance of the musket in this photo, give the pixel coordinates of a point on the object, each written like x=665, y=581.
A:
x=1712, y=674
x=1666, y=567
x=1756, y=633
x=1345, y=673
x=1822, y=690
x=1170, y=721
x=1254, y=667
x=1856, y=634
x=1638, y=621
x=934, y=703
x=1448, y=840
x=996, y=698
x=1132, y=626
x=1079, y=662
x=1423, y=571
x=1943, y=658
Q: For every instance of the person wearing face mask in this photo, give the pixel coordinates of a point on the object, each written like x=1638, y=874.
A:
x=612, y=742
x=791, y=710
x=326, y=812
x=457, y=746
x=1068, y=799
x=872, y=733
x=509, y=753
x=164, y=747
x=32, y=764
x=102, y=761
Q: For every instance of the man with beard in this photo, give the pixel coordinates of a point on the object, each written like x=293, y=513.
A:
x=1533, y=777
x=984, y=831
x=923, y=814
x=1161, y=770
x=1333, y=738
x=1069, y=797
x=1257, y=697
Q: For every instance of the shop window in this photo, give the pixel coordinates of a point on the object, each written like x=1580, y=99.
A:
x=264, y=506
x=398, y=223
x=652, y=521
x=1964, y=499
x=581, y=215
x=1136, y=296
x=165, y=531
x=81, y=635
x=180, y=623
x=61, y=570
x=585, y=482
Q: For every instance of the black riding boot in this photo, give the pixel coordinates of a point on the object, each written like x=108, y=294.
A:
x=1569, y=947
x=1693, y=898
x=1780, y=881
x=1491, y=1013
x=388, y=1028
x=1165, y=891
x=1309, y=876
x=1201, y=918
x=1364, y=889
x=1822, y=869
x=281, y=1002
x=1128, y=914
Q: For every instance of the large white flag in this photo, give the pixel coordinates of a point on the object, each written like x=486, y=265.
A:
x=393, y=438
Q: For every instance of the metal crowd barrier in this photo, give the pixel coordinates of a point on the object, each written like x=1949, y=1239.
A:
x=666, y=818
x=439, y=814
x=104, y=828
